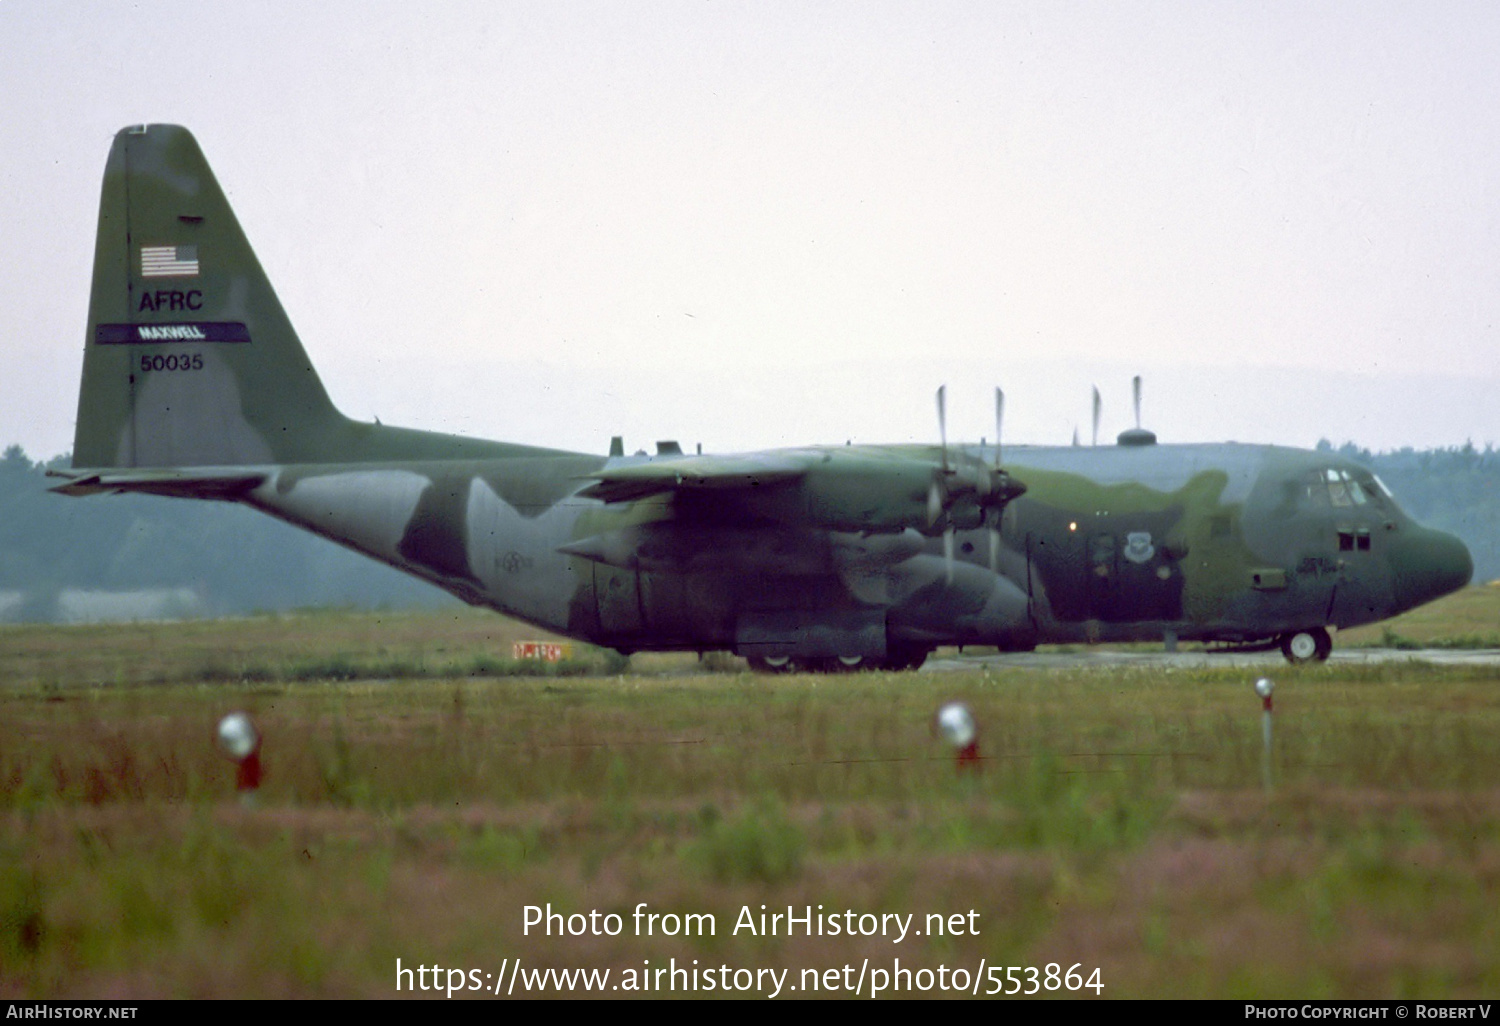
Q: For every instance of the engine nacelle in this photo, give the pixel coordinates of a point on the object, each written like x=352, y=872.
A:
x=886, y=495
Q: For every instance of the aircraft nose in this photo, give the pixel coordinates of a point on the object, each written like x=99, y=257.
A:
x=1428, y=564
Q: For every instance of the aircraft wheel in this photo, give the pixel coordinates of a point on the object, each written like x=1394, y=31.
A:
x=1306, y=646
x=770, y=664
x=851, y=664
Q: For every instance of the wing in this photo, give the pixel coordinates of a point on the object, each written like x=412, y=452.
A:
x=689, y=473
x=836, y=488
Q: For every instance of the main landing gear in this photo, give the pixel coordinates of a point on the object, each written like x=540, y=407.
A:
x=897, y=657
x=1306, y=646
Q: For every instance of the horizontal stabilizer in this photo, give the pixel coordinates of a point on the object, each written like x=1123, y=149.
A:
x=197, y=483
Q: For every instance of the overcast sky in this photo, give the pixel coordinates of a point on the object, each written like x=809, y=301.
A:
x=760, y=224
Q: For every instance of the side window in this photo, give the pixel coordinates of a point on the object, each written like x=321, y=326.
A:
x=1373, y=490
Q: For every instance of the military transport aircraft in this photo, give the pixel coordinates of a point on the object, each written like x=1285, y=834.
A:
x=196, y=386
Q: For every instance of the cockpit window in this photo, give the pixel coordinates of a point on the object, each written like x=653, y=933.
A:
x=1373, y=489
x=1345, y=489
x=1338, y=488
x=1355, y=489
x=1313, y=491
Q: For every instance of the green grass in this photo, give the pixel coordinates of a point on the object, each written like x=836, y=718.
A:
x=1118, y=819
x=1466, y=619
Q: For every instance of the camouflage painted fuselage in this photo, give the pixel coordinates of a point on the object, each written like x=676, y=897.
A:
x=1231, y=542
x=195, y=385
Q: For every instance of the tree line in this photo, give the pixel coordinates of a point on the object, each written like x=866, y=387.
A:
x=236, y=560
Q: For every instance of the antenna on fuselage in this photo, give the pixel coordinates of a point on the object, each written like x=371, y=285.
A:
x=1098, y=409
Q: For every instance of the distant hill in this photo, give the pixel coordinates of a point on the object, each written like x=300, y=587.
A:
x=124, y=555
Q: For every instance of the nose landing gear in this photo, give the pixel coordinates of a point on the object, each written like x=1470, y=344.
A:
x=1306, y=646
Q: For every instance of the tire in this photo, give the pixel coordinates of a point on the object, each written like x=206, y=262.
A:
x=1306, y=646
x=770, y=664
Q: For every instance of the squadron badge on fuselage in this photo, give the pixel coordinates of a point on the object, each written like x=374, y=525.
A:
x=1138, y=547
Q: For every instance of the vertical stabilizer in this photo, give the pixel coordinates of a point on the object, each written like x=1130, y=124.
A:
x=189, y=359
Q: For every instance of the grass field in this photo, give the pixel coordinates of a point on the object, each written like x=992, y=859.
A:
x=418, y=797
x=1466, y=619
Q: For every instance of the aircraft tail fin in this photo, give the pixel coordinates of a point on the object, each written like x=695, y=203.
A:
x=190, y=360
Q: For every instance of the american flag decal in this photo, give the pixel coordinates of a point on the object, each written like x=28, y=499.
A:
x=169, y=261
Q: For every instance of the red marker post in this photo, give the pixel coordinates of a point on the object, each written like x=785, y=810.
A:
x=956, y=724
x=1263, y=688
x=241, y=742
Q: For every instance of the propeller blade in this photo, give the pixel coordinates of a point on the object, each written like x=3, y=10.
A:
x=999, y=422
x=934, y=503
x=948, y=555
x=1135, y=387
x=942, y=408
x=1098, y=408
x=995, y=549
